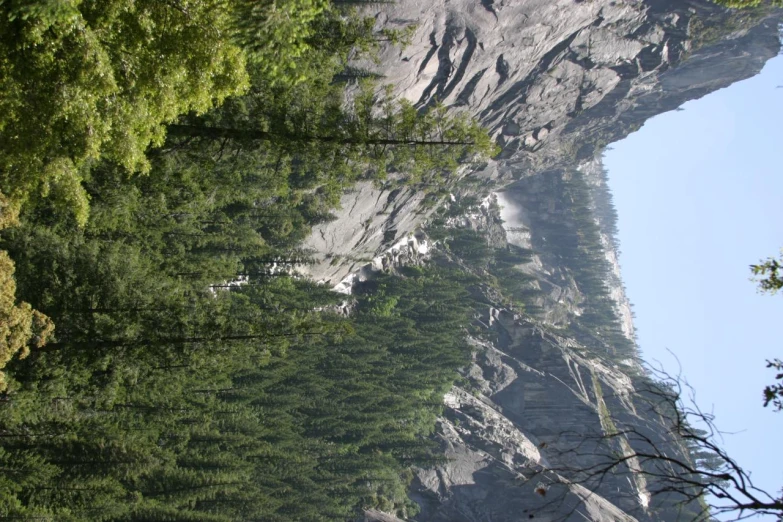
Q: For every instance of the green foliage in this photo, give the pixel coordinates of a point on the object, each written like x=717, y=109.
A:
x=767, y=275
x=275, y=35
x=372, y=136
x=499, y=268
x=774, y=392
x=210, y=405
x=605, y=416
x=191, y=377
x=746, y=4
x=747, y=14
x=83, y=80
x=574, y=240
x=89, y=80
x=20, y=325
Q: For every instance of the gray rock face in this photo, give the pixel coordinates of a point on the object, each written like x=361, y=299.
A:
x=555, y=81
x=369, y=222
x=526, y=67
x=541, y=397
x=373, y=515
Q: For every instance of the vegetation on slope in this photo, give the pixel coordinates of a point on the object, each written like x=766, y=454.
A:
x=745, y=4
x=237, y=404
x=190, y=376
x=570, y=231
x=273, y=160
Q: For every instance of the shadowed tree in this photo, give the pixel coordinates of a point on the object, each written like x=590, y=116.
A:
x=374, y=133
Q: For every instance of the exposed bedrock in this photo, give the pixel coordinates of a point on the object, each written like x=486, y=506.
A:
x=555, y=81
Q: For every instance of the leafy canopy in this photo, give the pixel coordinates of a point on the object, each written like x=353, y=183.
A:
x=768, y=276
x=88, y=79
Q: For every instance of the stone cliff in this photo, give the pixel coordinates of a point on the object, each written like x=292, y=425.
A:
x=555, y=81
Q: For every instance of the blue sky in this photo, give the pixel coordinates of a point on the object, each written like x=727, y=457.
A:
x=699, y=194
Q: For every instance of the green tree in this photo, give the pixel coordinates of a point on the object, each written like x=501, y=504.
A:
x=20, y=325
x=355, y=138
x=192, y=378
x=774, y=392
x=768, y=276
x=276, y=35
x=88, y=79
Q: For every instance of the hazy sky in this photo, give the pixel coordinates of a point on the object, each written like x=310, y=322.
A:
x=699, y=194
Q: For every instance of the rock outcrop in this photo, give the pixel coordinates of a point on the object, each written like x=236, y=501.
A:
x=555, y=81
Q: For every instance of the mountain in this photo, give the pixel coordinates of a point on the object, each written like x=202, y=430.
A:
x=470, y=355
x=556, y=81
x=556, y=376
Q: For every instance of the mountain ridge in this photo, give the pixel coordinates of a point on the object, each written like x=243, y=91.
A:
x=556, y=82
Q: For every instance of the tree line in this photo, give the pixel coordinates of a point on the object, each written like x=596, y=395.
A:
x=159, y=163
x=239, y=102
x=570, y=232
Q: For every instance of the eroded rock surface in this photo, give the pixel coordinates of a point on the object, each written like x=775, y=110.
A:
x=370, y=221
x=555, y=81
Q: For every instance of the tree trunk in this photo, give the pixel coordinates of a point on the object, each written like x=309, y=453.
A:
x=256, y=135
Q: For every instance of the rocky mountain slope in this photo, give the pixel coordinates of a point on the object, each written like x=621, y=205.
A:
x=556, y=81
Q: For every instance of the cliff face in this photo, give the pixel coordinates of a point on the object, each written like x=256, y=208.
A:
x=536, y=404
x=555, y=81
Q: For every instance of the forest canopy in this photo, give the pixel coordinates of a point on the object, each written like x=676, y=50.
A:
x=90, y=90
x=160, y=164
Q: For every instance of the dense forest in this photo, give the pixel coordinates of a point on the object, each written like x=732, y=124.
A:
x=161, y=357
x=160, y=163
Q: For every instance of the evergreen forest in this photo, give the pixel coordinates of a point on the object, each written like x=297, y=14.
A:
x=160, y=164
x=162, y=358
